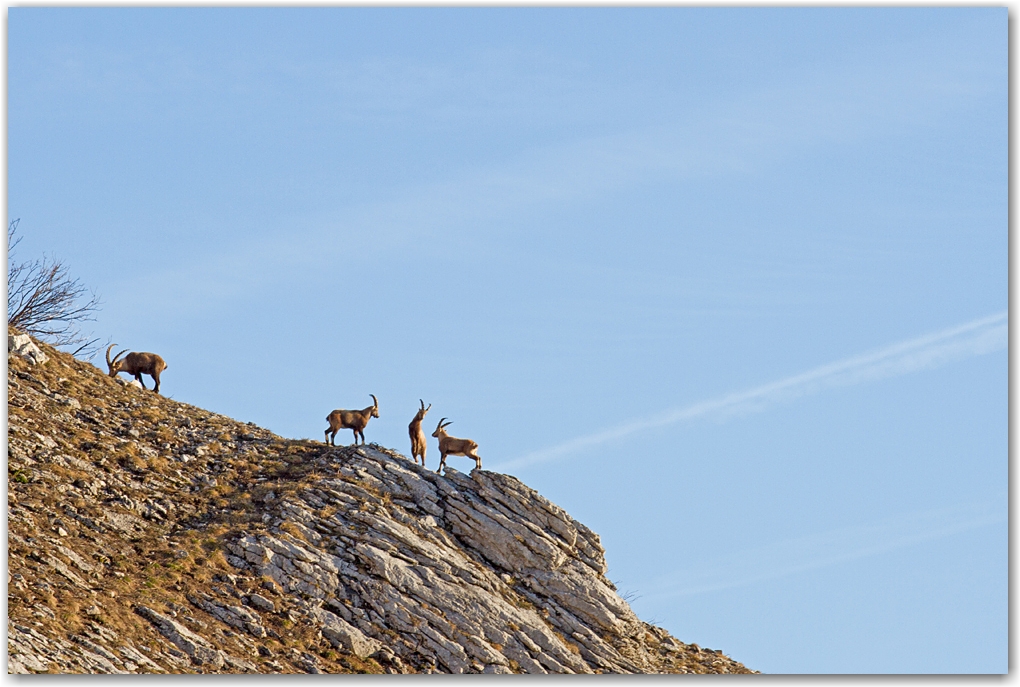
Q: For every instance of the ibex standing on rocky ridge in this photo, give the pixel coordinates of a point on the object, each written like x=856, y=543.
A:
x=136, y=364
x=355, y=420
x=418, y=443
x=455, y=447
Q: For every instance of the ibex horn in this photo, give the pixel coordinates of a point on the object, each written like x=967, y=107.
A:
x=116, y=358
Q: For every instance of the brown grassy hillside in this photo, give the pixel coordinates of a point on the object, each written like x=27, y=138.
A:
x=148, y=535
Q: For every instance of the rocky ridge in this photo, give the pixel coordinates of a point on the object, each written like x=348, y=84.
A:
x=150, y=536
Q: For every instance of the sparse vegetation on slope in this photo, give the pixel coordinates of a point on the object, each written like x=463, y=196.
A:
x=148, y=535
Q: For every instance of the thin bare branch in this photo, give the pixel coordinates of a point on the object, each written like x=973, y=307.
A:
x=44, y=301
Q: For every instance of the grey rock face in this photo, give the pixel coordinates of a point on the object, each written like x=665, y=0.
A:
x=344, y=635
x=22, y=344
x=261, y=603
x=474, y=573
x=235, y=616
x=197, y=648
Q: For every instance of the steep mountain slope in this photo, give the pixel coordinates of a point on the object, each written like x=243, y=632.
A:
x=147, y=535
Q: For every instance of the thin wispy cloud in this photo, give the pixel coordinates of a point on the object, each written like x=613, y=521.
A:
x=746, y=132
x=792, y=556
x=978, y=337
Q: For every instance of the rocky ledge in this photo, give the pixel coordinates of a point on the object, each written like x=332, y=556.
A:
x=149, y=536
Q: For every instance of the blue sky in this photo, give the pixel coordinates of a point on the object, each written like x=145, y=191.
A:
x=730, y=285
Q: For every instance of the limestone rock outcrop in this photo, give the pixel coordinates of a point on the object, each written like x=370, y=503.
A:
x=22, y=344
x=150, y=536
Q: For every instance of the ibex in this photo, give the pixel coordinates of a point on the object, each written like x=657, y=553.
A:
x=136, y=364
x=418, y=434
x=451, y=446
x=351, y=419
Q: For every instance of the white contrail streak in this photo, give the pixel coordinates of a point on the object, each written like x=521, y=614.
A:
x=984, y=335
x=792, y=556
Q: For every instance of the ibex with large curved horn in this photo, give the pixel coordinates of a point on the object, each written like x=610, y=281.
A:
x=136, y=364
x=418, y=444
x=355, y=420
x=455, y=447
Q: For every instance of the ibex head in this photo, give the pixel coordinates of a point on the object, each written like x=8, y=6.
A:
x=116, y=363
x=375, y=408
x=421, y=412
x=441, y=429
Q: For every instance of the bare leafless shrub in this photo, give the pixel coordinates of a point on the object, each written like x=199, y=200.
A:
x=44, y=301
